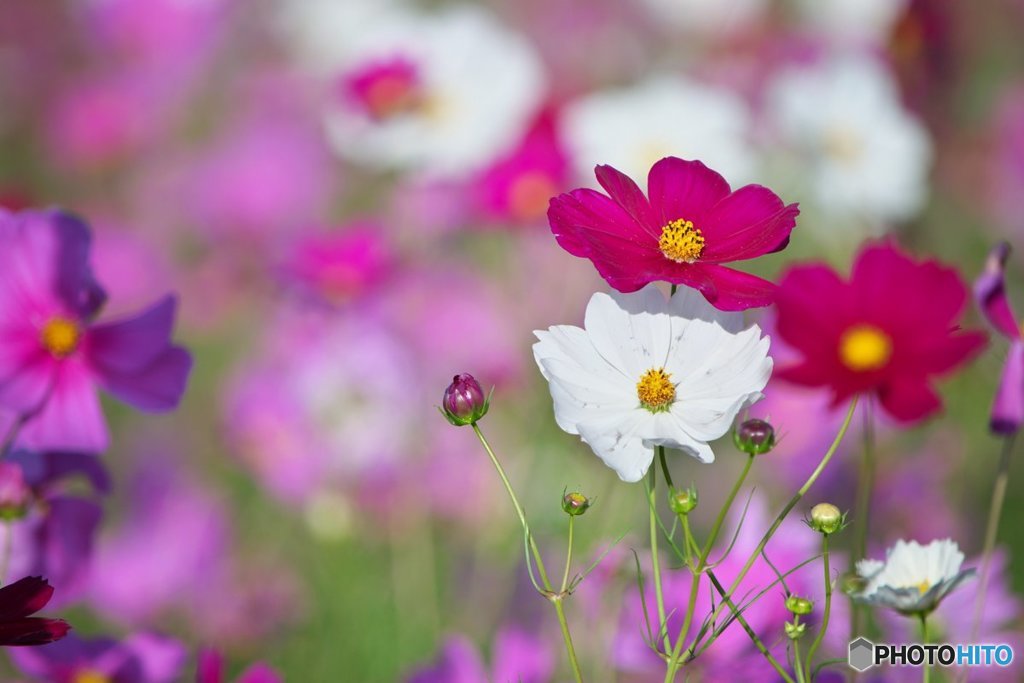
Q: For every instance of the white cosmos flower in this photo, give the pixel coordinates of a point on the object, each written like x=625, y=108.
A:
x=466, y=91
x=861, y=152
x=649, y=372
x=913, y=579
x=665, y=115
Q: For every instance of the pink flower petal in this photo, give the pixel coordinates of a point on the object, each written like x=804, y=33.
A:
x=680, y=189
x=909, y=400
x=133, y=343
x=990, y=293
x=71, y=418
x=750, y=222
x=735, y=290
x=630, y=197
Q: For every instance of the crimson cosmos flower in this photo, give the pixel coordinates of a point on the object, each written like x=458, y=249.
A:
x=687, y=226
x=887, y=330
x=18, y=601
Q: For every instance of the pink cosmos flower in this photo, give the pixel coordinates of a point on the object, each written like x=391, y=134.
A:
x=52, y=354
x=886, y=331
x=210, y=669
x=990, y=293
x=687, y=226
x=338, y=267
x=385, y=88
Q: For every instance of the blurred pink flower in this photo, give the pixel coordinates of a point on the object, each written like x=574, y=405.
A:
x=339, y=266
x=210, y=669
x=139, y=658
x=53, y=356
x=518, y=655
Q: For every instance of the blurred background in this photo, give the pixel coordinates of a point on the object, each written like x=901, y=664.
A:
x=349, y=198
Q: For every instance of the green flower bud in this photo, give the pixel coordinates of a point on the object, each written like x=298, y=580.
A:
x=795, y=631
x=827, y=518
x=683, y=502
x=799, y=606
x=754, y=437
x=575, y=503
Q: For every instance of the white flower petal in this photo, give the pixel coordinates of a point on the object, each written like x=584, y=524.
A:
x=617, y=444
x=631, y=331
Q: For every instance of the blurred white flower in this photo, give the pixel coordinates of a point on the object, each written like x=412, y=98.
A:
x=439, y=93
x=649, y=372
x=860, y=152
x=856, y=22
x=914, y=578
x=712, y=17
x=663, y=116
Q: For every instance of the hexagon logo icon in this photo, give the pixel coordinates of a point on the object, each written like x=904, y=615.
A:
x=862, y=654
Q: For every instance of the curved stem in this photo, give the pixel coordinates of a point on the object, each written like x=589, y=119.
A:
x=992, y=530
x=659, y=596
x=676, y=660
x=828, y=605
x=556, y=599
x=865, y=484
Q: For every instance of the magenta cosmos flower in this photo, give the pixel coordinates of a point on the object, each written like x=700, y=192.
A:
x=990, y=293
x=53, y=356
x=687, y=226
x=18, y=601
x=887, y=330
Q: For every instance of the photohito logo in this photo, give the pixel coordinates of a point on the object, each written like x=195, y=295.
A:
x=863, y=654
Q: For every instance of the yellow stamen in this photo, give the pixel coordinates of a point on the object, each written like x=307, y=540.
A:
x=655, y=390
x=864, y=348
x=681, y=242
x=60, y=336
x=90, y=676
x=923, y=586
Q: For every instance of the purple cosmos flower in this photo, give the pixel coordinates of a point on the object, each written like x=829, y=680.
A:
x=210, y=669
x=518, y=656
x=52, y=354
x=18, y=601
x=990, y=293
x=55, y=536
x=140, y=658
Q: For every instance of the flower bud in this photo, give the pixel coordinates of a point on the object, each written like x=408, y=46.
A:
x=799, y=606
x=464, y=401
x=683, y=502
x=575, y=503
x=754, y=437
x=14, y=492
x=795, y=631
x=827, y=518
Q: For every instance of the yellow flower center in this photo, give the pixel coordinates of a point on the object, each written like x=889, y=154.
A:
x=923, y=586
x=529, y=194
x=681, y=242
x=90, y=676
x=60, y=336
x=864, y=348
x=655, y=390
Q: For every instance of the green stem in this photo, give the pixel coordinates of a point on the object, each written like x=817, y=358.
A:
x=676, y=661
x=659, y=596
x=556, y=598
x=691, y=604
x=865, y=484
x=828, y=604
x=781, y=670
x=927, y=670
x=568, y=557
x=797, y=666
x=995, y=511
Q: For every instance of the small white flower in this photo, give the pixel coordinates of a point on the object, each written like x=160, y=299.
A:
x=914, y=578
x=649, y=372
x=861, y=153
x=663, y=116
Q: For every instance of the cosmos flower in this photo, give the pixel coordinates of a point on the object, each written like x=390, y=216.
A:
x=139, y=658
x=689, y=224
x=210, y=669
x=662, y=116
x=649, y=372
x=53, y=356
x=859, y=152
x=990, y=293
x=419, y=92
x=887, y=330
x=914, y=578
x=18, y=601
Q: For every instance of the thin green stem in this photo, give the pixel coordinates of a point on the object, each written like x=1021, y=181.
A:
x=865, y=485
x=797, y=666
x=659, y=596
x=781, y=670
x=995, y=511
x=927, y=669
x=828, y=604
x=568, y=557
x=691, y=604
x=555, y=598
x=676, y=659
